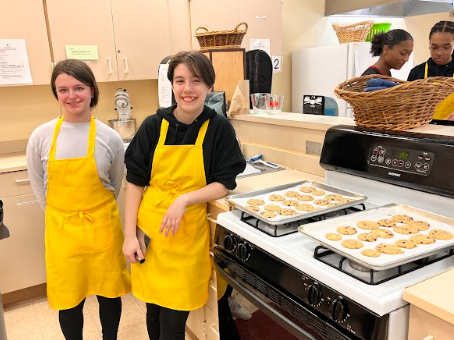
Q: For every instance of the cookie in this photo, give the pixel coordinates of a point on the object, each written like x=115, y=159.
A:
x=321, y=202
x=333, y=197
x=318, y=193
x=406, y=229
x=333, y=204
x=352, y=244
x=421, y=225
x=305, y=207
x=344, y=230
x=402, y=218
x=276, y=198
x=368, y=237
x=286, y=212
x=382, y=233
x=370, y=253
x=333, y=237
x=422, y=239
x=255, y=201
x=290, y=203
x=440, y=234
x=252, y=208
x=292, y=194
x=386, y=222
x=408, y=244
x=272, y=207
x=305, y=198
x=368, y=225
x=307, y=190
x=390, y=249
x=268, y=214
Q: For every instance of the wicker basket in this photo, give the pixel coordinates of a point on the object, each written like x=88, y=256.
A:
x=402, y=107
x=220, y=39
x=354, y=32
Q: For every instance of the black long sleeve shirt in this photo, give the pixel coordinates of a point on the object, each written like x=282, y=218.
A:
x=222, y=156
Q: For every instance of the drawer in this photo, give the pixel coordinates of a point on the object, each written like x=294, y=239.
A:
x=212, y=302
x=423, y=325
x=15, y=184
x=211, y=333
x=212, y=319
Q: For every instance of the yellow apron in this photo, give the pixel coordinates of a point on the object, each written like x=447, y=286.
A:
x=445, y=107
x=84, y=237
x=177, y=269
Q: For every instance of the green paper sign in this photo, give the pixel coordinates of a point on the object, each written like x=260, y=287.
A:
x=82, y=52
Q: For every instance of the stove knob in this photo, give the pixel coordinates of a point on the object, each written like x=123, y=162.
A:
x=230, y=243
x=242, y=252
x=314, y=295
x=339, y=310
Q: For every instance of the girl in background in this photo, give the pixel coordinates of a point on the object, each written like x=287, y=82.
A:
x=394, y=49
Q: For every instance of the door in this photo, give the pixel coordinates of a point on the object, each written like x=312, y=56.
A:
x=84, y=23
x=22, y=262
x=142, y=37
x=25, y=20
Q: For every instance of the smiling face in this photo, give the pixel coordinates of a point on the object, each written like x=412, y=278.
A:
x=74, y=98
x=441, y=45
x=398, y=55
x=190, y=92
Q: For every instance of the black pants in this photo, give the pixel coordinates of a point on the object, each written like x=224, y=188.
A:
x=227, y=326
x=72, y=320
x=165, y=324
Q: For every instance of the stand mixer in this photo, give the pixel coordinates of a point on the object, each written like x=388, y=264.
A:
x=124, y=125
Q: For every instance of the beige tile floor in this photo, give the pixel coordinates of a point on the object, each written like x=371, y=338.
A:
x=35, y=320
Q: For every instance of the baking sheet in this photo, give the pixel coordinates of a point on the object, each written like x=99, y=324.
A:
x=240, y=201
x=317, y=231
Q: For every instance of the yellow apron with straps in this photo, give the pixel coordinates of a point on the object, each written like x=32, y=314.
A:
x=445, y=107
x=177, y=268
x=84, y=237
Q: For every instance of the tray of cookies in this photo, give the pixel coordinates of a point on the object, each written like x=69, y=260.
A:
x=294, y=201
x=384, y=237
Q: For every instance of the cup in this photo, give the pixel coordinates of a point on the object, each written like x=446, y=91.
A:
x=274, y=103
x=259, y=101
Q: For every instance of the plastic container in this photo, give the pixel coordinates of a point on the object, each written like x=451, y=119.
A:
x=331, y=108
x=378, y=28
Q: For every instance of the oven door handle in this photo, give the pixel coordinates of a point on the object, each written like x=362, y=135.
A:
x=264, y=307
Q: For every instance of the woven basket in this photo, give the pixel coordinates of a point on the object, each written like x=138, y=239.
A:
x=405, y=106
x=220, y=39
x=354, y=32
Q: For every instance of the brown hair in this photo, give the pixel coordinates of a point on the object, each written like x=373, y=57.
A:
x=197, y=62
x=79, y=70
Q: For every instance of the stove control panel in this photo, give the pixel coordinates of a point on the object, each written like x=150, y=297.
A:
x=403, y=160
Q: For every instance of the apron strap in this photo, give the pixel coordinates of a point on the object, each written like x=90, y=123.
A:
x=202, y=133
x=91, y=138
x=426, y=72
x=165, y=127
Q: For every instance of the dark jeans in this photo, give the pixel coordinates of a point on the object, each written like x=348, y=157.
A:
x=72, y=320
x=227, y=326
x=165, y=324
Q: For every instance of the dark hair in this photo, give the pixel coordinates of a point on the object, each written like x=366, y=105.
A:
x=390, y=39
x=79, y=70
x=442, y=27
x=197, y=62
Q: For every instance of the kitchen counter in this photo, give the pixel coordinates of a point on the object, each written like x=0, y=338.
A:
x=13, y=162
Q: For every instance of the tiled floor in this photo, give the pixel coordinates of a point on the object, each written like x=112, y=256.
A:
x=35, y=320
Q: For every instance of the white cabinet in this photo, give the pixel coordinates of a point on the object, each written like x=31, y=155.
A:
x=25, y=20
x=22, y=261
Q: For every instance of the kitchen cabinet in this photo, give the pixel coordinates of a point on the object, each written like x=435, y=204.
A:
x=22, y=261
x=29, y=24
x=132, y=38
x=264, y=19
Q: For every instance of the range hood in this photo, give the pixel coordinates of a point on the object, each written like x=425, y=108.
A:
x=387, y=8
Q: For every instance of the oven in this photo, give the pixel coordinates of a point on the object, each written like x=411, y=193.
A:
x=315, y=293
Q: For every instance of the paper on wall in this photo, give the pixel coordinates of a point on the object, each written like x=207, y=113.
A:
x=164, y=86
x=14, y=65
x=260, y=44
